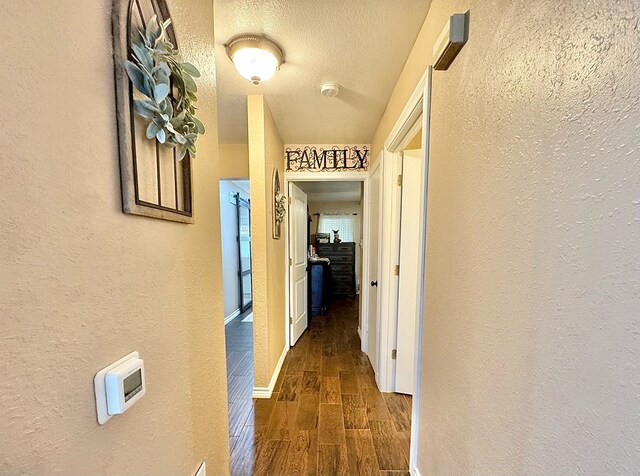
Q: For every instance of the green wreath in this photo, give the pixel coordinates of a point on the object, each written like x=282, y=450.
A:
x=281, y=207
x=155, y=71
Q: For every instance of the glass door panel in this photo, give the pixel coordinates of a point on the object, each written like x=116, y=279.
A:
x=244, y=254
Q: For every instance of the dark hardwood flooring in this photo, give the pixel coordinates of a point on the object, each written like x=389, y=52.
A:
x=239, y=344
x=326, y=415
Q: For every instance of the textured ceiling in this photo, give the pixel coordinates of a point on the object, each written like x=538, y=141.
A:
x=360, y=44
x=331, y=191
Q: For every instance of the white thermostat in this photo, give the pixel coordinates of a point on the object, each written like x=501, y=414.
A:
x=119, y=386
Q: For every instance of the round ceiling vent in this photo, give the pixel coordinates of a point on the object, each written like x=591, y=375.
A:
x=329, y=89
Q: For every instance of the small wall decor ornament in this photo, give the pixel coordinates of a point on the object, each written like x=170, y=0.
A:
x=281, y=208
x=157, y=124
x=279, y=205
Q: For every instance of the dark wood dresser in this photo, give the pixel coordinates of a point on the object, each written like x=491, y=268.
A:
x=343, y=266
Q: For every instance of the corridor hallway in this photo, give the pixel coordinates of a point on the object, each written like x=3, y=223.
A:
x=326, y=415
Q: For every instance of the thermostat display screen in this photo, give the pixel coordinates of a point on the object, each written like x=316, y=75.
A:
x=132, y=384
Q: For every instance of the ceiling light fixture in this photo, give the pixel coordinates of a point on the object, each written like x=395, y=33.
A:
x=256, y=57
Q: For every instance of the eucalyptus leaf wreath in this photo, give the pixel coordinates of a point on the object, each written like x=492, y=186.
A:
x=156, y=71
x=281, y=207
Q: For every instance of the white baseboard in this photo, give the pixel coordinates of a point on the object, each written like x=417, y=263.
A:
x=265, y=392
x=231, y=316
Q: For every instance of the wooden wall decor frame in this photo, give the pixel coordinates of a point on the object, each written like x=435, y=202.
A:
x=147, y=168
x=275, y=190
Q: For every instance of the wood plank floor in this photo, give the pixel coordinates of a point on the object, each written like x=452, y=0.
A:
x=239, y=344
x=326, y=416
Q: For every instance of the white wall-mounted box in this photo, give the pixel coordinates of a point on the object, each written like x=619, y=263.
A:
x=118, y=386
x=451, y=40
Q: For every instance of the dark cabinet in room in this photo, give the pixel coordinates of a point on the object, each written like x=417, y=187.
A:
x=343, y=266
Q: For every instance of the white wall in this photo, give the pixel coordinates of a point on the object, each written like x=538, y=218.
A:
x=229, y=232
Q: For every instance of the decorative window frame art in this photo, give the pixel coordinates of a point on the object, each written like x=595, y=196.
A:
x=155, y=115
x=278, y=205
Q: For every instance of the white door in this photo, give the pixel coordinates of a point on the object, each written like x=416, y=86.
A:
x=298, y=290
x=373, y=240
x=410, y=279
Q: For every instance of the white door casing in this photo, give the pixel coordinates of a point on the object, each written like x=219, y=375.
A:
x=298, y=290
x=389, y=258
x=410, y=279
x=297, y=177
x=373, y=240
x=414, y=117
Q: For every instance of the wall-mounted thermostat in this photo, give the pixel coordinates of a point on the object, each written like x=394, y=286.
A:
x=119, y=386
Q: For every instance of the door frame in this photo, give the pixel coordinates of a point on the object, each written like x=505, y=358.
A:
x=410, y=279
x=293, y=177
x=415, y=115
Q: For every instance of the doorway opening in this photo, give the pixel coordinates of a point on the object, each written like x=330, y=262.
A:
x=325, y=248
x=326, y=370
x=235, y=217
x=409, y=275
x=406, y=156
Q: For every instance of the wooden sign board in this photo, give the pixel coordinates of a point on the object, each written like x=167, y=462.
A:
x=326, y=158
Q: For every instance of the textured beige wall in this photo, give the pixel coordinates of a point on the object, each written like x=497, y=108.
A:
x=82, y=284
x=265, y=152
x=234, y=160
x=533, y=249
x=416, y=142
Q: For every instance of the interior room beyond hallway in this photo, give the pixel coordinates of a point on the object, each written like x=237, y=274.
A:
x=235, y=246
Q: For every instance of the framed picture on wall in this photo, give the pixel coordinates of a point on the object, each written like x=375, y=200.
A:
x=156, y=181
x=323, y=238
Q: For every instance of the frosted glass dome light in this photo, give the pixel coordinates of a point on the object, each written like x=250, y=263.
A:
x=256, y=57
